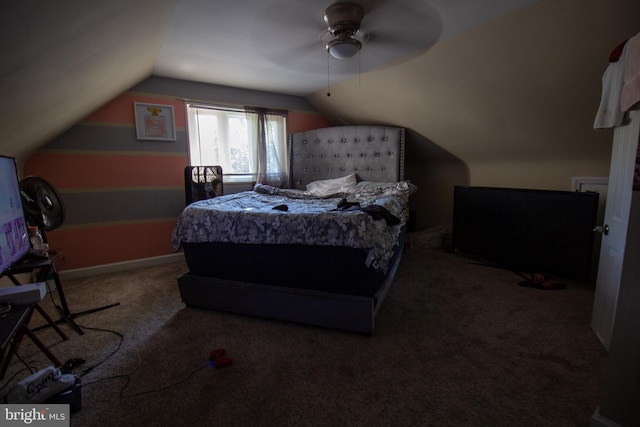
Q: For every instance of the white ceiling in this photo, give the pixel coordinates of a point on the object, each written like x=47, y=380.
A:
x=62, y=60
x=275, y=45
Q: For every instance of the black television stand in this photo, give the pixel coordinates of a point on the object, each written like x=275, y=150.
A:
x=45, y=269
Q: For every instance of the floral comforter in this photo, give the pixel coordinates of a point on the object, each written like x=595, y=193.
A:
x=369, y=216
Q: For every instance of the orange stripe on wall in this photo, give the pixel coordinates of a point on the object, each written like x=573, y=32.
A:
x=120, y=109
x=68, y=170
x=108, y=244
x=300, y=122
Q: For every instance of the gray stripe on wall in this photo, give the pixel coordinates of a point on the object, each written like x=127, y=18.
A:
x=222, y=94
x=122, y=205
x=114, y=138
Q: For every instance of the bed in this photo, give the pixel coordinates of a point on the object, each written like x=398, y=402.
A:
x=322, y=252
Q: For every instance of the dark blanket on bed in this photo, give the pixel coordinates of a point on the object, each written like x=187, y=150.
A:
x=268, y=215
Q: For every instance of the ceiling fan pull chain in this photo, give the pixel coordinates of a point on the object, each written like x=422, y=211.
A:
x=359, y=67
x=328, y=73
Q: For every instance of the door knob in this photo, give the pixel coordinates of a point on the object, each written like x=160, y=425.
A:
x=604, y=229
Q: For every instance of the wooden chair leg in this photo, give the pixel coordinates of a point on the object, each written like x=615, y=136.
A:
x=20, y=332
x=15, y=343
x=51, y=322
x=41, y=346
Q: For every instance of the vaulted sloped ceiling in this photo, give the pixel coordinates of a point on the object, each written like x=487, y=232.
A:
x=277, y=45
x=63, y=59
x=503, y=91
x=510, y=103
x=524, y=87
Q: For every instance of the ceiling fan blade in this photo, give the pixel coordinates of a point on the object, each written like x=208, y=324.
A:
x=287, y=31
x=403, y=25
x=401, y=42
x=369, y=6
x=292, y=35
x=292, y=54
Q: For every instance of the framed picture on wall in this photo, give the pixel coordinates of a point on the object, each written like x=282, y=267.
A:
x=155, y=122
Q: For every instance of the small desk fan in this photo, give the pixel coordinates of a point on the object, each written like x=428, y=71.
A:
x=42, y=204
x=202, y=182
x=43, y=208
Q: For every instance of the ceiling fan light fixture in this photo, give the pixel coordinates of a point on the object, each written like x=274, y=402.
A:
x=343, y=17
x=343, y=22
x=344, y=47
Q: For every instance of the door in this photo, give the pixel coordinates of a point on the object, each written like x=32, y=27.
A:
x=616, y=220
x=597, y=185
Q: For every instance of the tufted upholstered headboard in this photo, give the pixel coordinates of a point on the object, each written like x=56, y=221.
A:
x=375, y=153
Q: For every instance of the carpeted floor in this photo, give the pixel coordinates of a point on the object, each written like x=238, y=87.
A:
x=456, y=344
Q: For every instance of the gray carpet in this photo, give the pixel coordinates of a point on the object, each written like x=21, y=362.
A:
x=456, y=344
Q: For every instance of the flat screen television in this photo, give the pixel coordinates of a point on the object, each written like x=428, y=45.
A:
x=14, y=238
x=526, y=230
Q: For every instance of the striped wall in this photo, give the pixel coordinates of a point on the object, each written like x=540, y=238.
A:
x=122, y=195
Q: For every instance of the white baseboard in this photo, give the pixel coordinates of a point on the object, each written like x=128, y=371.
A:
x=119, y=266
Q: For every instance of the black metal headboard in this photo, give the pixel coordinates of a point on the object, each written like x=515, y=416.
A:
x=375, y=153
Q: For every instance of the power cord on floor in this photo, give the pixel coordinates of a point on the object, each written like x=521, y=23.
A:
x=143, y=393
x=127, y=376
x=31, y=370
x=71, y=364
x=85, y=371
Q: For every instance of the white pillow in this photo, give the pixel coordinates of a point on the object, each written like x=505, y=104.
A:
x=326, y=187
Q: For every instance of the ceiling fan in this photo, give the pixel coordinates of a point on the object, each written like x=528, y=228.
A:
x=343, y=38
x=300, y=34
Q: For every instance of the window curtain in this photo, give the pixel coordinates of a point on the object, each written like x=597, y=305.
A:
x=269, y=127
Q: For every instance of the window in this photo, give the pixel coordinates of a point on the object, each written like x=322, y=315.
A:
x=231, y=138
